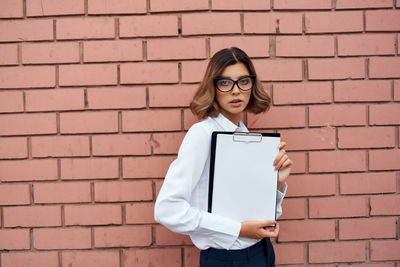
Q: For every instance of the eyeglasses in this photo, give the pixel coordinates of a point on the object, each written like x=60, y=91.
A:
x=245, y=83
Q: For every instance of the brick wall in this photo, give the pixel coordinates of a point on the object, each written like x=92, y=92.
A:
x=94, y=101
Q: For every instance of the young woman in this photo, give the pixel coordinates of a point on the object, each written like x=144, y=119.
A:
x=230, y=87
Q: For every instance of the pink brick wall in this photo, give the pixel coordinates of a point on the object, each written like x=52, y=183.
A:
x=94, y=101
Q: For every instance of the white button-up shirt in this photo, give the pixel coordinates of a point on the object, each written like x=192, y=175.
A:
x=182, y=203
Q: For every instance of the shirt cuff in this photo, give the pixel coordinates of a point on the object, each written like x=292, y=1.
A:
x=224, y=231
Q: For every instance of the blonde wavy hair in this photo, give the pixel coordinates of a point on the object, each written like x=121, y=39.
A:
x=204, y=103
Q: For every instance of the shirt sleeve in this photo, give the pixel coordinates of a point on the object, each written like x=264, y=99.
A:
x=279, y=201
x=172, y=207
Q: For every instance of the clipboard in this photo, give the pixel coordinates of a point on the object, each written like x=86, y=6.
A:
x=243, y=182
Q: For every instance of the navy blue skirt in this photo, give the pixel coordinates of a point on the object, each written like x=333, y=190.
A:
x=260, y=254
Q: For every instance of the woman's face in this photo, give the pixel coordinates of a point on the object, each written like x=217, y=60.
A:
x=234, y=102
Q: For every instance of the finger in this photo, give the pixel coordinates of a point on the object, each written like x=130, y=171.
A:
x=281, y=162
x=287, y=163
x=282, y=145
x=279, y=156
x=267, y=223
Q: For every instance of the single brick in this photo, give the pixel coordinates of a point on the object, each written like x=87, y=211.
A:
x=295, y=117
x=305, y=46
x=123, y=191
x=276, y=22
x=93, y=214
x=26, y=258
x=13, y=147
x=89, y=122
x=59, y=238
x=210, y=23
x=311, y=185
x=14, y=239
x=116, y=98
x=255, y=46
x=171, y=95
x=146, y=167
x=103, y=258
x=121, y=144
x=382, y=20
x=73, y=192
x=177, y=5
x=384, y=67
x=89, y=168
x=88, y=74
x=309, y=139
x=151, y=120
x=384, y=159
x=241, y=5
x=12, y=9
x=371, y=137
x=149, y=72
x=385, y=205
x=52, y=100
x=167, y=49
x=363, y=4
x=26, y=30
x=330, y=252
x=386, y=114
x=165, y=237
x=361, y=228
x=279, y=70
x=85, y=28
x=301, y=4
x=60, y=146
x=11, y=101
x=290, y=230
x=365, y=44
x=332, y=22
x=332, y=207
x=193, y=71
x=385, y=250
x=28, y=170
x=140, y=213
x=294, y=208
x=167, y=143
x=15, y=194
x=151, y=25
x=337, y=161
x=9, y=54
x=170, y=257
x=337, y=115
x=289, y=253
x=60, y=52
x=116, y=7
x=336, y=68
x=302, y=93
x=21, y=124
x=368, y=183
x=32, y=216
x=115, y=50
x=54, y=7
x=362, y=91
x=28, y=77
x=122, y=236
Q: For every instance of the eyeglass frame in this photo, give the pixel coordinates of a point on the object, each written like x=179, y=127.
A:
x=253, y=79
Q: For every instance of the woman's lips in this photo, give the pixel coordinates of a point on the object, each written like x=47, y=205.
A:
x=236, y=102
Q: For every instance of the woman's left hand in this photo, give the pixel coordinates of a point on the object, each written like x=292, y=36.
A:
x=283, y=164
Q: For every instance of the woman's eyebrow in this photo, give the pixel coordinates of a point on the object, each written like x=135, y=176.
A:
x=226, y=77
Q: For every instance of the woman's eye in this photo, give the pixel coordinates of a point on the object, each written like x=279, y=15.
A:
x=224, y=82
x=244, y=81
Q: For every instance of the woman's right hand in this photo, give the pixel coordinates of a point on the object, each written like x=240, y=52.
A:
x=259, y=229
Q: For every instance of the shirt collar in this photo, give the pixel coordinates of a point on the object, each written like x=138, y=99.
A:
x=229, y=126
